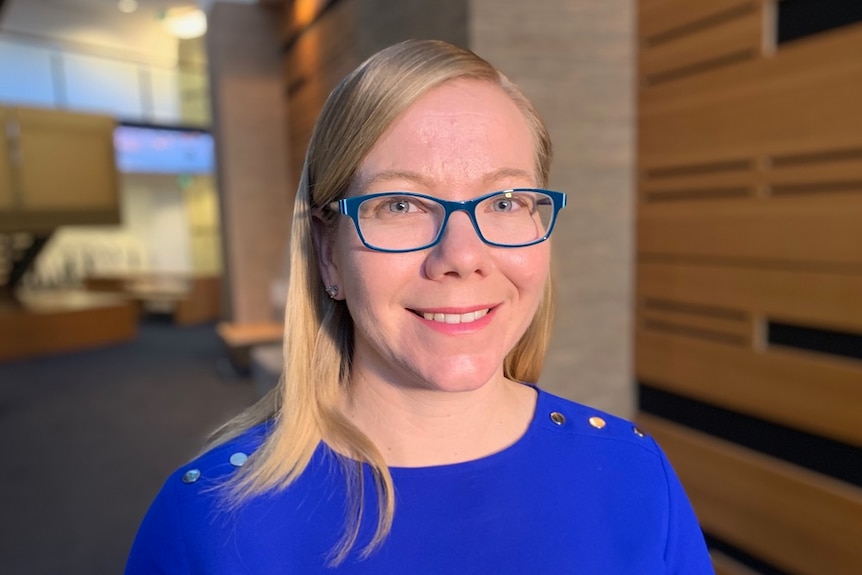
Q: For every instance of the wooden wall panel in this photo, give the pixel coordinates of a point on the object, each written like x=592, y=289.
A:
x=798, y=520
x=663, y=18
x=817, y=297
x=822, y=228
x=750, y=215
x=789, y=103
x=724, y=565
x=810, y=392
x=727, y=40
x=317, y=58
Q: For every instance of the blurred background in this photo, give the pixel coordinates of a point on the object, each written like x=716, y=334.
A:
x=709, y=268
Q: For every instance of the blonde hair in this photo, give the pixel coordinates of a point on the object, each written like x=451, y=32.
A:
x=318, y=339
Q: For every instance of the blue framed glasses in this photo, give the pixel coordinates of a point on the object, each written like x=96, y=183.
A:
x=405, y=221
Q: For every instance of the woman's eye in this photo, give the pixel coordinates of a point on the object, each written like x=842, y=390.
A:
x=399, y=206
x=503, y=205
x=510, y=204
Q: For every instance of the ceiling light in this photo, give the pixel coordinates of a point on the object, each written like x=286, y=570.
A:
x=185, y=22
x=127, y=6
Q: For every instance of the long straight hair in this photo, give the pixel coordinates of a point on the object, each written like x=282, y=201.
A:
x=304, y=409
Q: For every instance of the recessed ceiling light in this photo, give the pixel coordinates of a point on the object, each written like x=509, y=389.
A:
x=127, y=6
x=185, y=21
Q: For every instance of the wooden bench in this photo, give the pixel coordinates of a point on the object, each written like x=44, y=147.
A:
x=241, y=338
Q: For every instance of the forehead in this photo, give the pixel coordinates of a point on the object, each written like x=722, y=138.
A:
x=458, y=134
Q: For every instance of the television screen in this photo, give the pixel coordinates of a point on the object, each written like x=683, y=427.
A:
x=153, y=150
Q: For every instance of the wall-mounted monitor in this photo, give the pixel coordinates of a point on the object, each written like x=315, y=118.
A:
x=158, y=150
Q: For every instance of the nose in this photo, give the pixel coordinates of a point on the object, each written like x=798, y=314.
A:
x=461, y=252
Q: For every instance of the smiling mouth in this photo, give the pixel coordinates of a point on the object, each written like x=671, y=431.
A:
x=468, y=317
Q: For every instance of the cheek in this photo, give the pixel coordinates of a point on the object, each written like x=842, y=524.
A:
x=371, y=278
x=528, y=269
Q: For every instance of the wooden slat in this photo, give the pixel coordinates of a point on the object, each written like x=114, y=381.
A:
x=835, y=168
x=736, y=330
x=793, y=518
x=656, y=17
x=321, y=44
x=812, y=392
x=704, y=49
x=838, y=47
x=816, y=299
x=741, y=178
x=799, y=100
x=319, y=59
x=821, y=228
x=724, y=565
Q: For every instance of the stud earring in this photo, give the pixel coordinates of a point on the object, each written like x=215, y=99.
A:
x=332, y=291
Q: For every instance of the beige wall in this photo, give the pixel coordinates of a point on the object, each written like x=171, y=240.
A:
x=575, y=60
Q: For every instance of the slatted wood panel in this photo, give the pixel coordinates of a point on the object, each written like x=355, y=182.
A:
x=320, y=50
x=749, y=212
x=733, y=36
x=793, y=518
x=820, y=297
x=318, y=57
x=724, y=565
x=811, y=392
x=813, y=229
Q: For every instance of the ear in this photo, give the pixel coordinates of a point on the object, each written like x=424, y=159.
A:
x=323, y=245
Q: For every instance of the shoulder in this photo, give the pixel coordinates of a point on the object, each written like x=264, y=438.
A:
x=171, y=538
x=216, y=465
x=597, y=448
x=575, y=421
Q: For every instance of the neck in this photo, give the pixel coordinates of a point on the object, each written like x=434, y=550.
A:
x=415, y=427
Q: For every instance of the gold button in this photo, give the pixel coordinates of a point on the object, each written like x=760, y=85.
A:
x=637, y=431
x=597, y=422
x=558, y=417
x=191, y=475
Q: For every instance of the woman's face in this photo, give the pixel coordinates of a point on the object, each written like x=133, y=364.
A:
x=459, y=141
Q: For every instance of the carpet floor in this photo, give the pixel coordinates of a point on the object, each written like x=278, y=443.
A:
x=86, y=440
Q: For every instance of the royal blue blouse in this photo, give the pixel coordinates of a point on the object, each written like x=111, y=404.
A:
x=581, y=492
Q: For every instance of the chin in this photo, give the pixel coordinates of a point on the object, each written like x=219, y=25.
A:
x=463, y=376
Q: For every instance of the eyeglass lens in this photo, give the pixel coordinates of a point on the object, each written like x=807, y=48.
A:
x=401, y=222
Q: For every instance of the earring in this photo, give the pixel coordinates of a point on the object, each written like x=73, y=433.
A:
x=332, y=291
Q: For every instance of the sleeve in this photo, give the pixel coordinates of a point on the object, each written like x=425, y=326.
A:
x=159, y=548
x=685, y=550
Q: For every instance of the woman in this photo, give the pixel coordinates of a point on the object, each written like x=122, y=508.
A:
x=403, y=438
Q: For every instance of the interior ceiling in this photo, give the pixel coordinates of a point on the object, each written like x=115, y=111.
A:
x=110, y=6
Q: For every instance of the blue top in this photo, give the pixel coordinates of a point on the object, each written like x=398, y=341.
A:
x=570, y=496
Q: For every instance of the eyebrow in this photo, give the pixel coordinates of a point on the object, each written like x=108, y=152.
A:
x=364, y=183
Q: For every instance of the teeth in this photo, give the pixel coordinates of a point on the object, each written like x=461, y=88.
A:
x=456, y=317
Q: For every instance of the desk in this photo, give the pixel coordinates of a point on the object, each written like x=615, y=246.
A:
x=37, y=323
